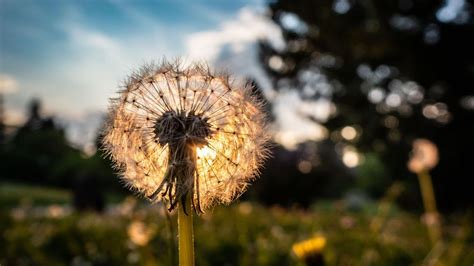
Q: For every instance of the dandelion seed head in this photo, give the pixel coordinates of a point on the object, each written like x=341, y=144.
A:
x=424, y=156
x=175, y=130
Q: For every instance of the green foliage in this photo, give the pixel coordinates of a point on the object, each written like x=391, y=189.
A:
x=242, y=234
x=12, y=194
x=372, y=175
x=38, y=152
x=33, y=155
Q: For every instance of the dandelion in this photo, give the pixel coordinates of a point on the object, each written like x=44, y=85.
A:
x=310, y=250
x=424, y=157
x=187, y=136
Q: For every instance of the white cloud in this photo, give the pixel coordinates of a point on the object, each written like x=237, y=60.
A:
x=95, y=41
x=8, y=84
x=233, y=45
x=248, y=27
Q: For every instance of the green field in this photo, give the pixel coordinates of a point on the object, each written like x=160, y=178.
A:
x=45, y=231
x=18, y=194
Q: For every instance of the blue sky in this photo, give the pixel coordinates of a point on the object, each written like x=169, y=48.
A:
x=73, y=54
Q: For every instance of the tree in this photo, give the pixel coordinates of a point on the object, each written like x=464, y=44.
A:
x=38, y=150
x=394, y=71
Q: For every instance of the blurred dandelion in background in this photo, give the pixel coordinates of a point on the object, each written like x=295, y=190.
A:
x=424, y=157
x=310, y=250
x=139, y=233
x=188, y=136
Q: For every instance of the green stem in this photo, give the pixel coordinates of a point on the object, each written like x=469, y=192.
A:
x=172, y=243
x=185, y=233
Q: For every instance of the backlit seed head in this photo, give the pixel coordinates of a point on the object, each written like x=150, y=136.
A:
x=424, y=156
x=175, y=130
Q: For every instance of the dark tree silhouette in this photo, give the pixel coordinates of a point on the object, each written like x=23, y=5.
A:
x=37, y=151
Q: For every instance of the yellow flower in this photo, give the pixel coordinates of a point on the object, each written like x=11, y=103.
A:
x=176, y=130
x=309, y=247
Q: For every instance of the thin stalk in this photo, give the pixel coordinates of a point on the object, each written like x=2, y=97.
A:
x=172, y=243
x=185, y=233
x=429, y=202
x=427, y=192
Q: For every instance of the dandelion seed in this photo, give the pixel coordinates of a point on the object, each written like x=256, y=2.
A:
x=176, y=131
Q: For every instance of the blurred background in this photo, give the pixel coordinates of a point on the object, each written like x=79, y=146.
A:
x=349, y=85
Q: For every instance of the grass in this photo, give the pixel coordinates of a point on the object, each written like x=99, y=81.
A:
x=135, y=233
x=12, y=194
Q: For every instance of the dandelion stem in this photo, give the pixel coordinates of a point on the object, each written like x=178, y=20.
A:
x=427, y=191
x=186, y=235
x=429, y=202
x=172, y=243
